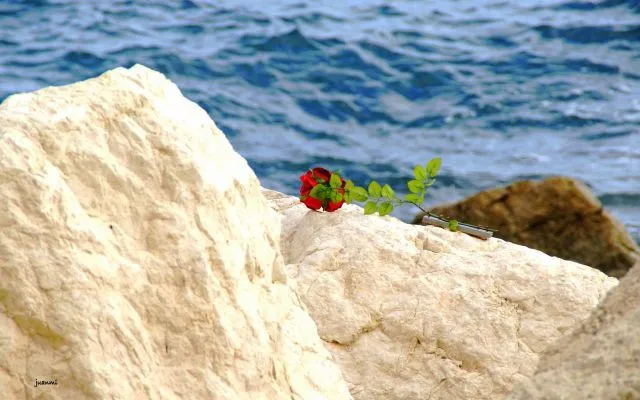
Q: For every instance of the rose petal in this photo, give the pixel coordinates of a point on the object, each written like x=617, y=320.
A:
x=334, y=206
x=312, y=203
x=307, y=179
x=305, y=189
x=322, y=173
x=308, y=183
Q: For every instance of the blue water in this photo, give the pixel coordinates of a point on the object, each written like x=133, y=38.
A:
x=501, y=90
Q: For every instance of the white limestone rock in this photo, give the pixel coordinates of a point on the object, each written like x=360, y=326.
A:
x=600, y=359
x=138, y=259
x=414, y=312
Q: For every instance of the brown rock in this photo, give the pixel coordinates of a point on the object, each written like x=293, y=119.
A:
x=558, y=216
x=598, y=360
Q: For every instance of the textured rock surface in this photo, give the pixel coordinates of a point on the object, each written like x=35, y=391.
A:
x=138, y=259
x=599, y=360
x=413, y=312
x=558, y=216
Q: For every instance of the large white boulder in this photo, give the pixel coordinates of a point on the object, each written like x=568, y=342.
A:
x=599, y=360
x=138, y=258
x=413, y=312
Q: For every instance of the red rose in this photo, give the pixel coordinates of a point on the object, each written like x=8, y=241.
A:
x=309, y=180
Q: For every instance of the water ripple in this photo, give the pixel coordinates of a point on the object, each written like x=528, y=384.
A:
x=590, y=34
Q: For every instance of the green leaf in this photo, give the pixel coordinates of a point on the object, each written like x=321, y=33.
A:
x=415, y=186
x=419, y=172
x=347, y=197
x=430, y=182
x=359, y=193
x=336, y=197
x=433, y=166
x=453, y=225
x=387, y=192
x=421, y=199
x=412, y=197
x=318, y=192
x=385, y=208
x=335, y=181
x=370, y=207
x=374, y=189
x=349, y=185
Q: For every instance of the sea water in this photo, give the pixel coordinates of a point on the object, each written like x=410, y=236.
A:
x=501, y=90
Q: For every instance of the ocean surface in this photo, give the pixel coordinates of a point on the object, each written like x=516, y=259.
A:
x=501, y=90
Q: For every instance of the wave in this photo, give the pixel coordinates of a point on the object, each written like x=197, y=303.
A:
x=633, y=5
x=371, y=89
x=594, y=34
x=620, y=199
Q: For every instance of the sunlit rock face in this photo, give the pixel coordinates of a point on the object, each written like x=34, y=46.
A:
x=598, y=360
x=416, y=312
x=138, y=258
